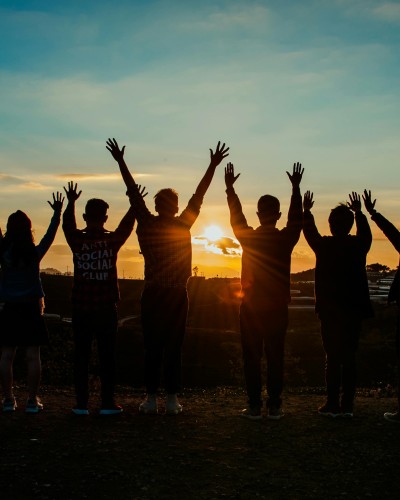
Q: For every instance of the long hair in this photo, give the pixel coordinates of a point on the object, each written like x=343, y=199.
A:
x=18, y=247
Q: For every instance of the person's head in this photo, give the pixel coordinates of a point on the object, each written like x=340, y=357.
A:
x=19, y=227
x=166, y=202
x=341, y=220
x=95, y=213
x=18, y=241
x=268, y=210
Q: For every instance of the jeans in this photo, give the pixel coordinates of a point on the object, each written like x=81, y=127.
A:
x=263, y=330
x=340, y=333
x=101, y=325
x=164, y=313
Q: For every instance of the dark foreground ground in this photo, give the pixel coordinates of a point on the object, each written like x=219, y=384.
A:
x=208, y=452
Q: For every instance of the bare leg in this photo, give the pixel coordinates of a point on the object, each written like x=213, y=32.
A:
x=6, y=370
x=34, y=370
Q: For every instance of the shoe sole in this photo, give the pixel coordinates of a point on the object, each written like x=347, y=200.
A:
x=330, y=415
x=275, y=417
x=173, y=412
x=251, y=417
x=33, y=411
x=110, y=412
x=142, y=411
x=79, y=412
x=391, y=419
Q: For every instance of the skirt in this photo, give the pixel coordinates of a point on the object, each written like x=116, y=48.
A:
x=22, y=325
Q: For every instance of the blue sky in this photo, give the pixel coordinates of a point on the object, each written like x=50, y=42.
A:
x=278, y=81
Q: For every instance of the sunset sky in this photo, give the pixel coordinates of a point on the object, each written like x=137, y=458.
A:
x=279, y=81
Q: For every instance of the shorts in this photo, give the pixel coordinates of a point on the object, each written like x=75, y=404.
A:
x=22, y=325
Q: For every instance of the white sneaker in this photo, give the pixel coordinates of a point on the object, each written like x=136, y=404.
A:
x=149, y=406
x=172, y=406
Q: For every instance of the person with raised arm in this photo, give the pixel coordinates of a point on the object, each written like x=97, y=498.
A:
x=21, y=320
x=165, y=243
x=341, y=296
x=95, y=294
x=393, y=235
x=265, y=282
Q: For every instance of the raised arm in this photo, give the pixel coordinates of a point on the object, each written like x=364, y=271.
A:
x=125, y=227
x=135, y=196
x=310, y=230
x=237, y=218
x=294, y=224
x=216, y=157
x=48, y=238
x=69, y=222
x=118, y=155
x=363, y=229
x=388, y=229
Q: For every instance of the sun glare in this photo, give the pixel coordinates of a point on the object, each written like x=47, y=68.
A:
x=213, y=233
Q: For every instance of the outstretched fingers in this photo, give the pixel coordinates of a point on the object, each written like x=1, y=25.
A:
x=297, y=174
x=308, y=200
x=367, y=199
x=221, y=152
x=114, y=149
x=58, y=200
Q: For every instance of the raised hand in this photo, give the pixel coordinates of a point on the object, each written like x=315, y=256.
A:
x=230, y=177
x=220, y=153
x=297, y=174
x=142, y=191
x=308, y=201
x=58, y=200
x=117, y=153
x=369, y=204
x=72, y=191
x=355, y=202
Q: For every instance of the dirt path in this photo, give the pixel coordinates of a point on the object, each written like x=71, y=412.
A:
x=208, y=452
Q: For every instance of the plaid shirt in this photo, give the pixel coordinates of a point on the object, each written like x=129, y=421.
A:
x=95, y=261
x=166, y=243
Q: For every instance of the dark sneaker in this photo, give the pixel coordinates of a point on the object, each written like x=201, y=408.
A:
x=173, y=408
x=327, y=410
x=80, y=411
x=9, y=405
x=113, y=409
x=347, y=412
x=392, y=417
x=33, y=406
x=275, y=413
x=252, y=413
x=149, y=406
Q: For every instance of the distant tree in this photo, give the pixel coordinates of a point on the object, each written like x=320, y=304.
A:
x=50, y=270
x=380, y=269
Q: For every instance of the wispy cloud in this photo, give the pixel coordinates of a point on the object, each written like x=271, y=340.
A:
x=222, y=246
x=388, y=11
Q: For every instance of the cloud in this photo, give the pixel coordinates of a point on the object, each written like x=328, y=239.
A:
x=14, y=183
x=91, y=177
x=223, y=246
x=388, y=11
x=98, y=177
x=60, y=250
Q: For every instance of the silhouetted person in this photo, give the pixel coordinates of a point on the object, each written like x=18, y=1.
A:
x=21, y=320
x=165, y=243
x=265, y=289
x=94, y=295
x=393, y=235
x=341, y=296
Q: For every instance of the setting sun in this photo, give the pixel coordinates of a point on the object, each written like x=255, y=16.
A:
x=213, y=233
